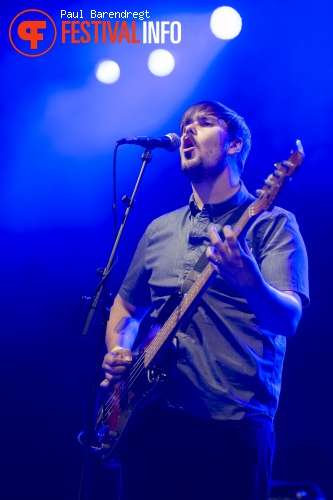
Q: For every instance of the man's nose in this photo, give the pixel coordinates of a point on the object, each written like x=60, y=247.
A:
x=190, y=129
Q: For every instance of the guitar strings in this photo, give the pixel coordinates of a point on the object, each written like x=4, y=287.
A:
x=119, y=393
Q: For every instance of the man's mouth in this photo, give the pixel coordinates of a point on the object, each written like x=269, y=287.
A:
x=188, y=144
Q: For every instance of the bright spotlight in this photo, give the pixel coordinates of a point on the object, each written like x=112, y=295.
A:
x=225, y=23
x=107, y=71
x=161, y=62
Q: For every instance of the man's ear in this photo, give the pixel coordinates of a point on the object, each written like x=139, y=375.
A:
x=235, y=146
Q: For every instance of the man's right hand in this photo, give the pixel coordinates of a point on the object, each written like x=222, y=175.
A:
x=115, y=365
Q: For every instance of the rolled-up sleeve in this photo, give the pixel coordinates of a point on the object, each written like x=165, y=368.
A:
x=280, y=252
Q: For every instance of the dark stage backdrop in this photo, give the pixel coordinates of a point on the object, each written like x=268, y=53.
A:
x=59, y=127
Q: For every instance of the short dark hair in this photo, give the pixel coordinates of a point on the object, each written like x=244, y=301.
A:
x=237, y=128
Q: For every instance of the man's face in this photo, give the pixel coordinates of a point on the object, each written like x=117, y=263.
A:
x=204, y=144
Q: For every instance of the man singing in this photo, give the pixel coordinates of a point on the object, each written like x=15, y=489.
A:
x=211, y=435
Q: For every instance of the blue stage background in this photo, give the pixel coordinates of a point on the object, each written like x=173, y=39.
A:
x=59, y=127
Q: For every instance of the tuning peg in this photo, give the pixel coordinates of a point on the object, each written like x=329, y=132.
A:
x=269, y=182
x=300, y=147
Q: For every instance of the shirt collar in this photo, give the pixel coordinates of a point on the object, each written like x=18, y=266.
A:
x=223, y=207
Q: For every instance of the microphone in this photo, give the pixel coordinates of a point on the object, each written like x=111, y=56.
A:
x=170, y=142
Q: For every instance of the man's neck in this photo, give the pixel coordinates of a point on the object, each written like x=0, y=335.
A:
x=215, y=190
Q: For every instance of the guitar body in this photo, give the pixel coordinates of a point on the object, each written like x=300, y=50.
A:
x=120, y=417
x=124, y=408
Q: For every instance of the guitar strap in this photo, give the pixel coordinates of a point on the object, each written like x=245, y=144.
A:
x=202, y=261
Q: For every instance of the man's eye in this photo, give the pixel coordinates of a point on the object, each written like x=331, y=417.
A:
x=207, y=124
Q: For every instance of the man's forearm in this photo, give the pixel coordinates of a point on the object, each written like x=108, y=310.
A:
x=123, y=324
x=121, y=333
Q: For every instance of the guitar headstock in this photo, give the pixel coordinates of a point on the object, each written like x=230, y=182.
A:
x=274, y=181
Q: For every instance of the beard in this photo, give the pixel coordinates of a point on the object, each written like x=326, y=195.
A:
x=198, y=170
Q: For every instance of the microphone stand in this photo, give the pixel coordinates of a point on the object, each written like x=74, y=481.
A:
x=98, y=303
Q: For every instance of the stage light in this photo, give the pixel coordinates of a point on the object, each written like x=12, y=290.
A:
x=107, y=71
x=161, y=62
x=225, y=23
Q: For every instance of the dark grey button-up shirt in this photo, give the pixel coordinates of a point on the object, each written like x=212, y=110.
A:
x=227, y=366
